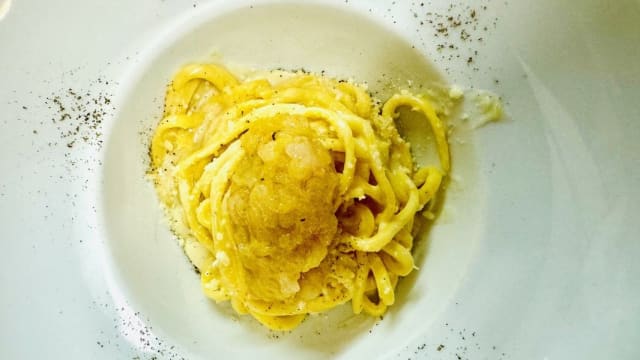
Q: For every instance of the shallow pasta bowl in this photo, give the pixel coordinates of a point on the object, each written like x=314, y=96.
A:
x=533, y=253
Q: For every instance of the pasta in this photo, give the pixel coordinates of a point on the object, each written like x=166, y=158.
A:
x=292, y=193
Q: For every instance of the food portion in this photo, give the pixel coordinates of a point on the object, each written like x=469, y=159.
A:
x=292, y=193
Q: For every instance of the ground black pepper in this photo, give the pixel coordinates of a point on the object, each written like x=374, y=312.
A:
x=455, y=29
x=78, y=118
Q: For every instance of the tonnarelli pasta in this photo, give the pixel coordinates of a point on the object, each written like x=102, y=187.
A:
x=292, y=193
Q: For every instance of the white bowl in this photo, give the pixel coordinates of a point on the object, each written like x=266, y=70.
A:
x=150, y=266
x=534, y=255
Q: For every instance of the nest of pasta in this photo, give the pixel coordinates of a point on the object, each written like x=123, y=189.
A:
x=292, y=193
